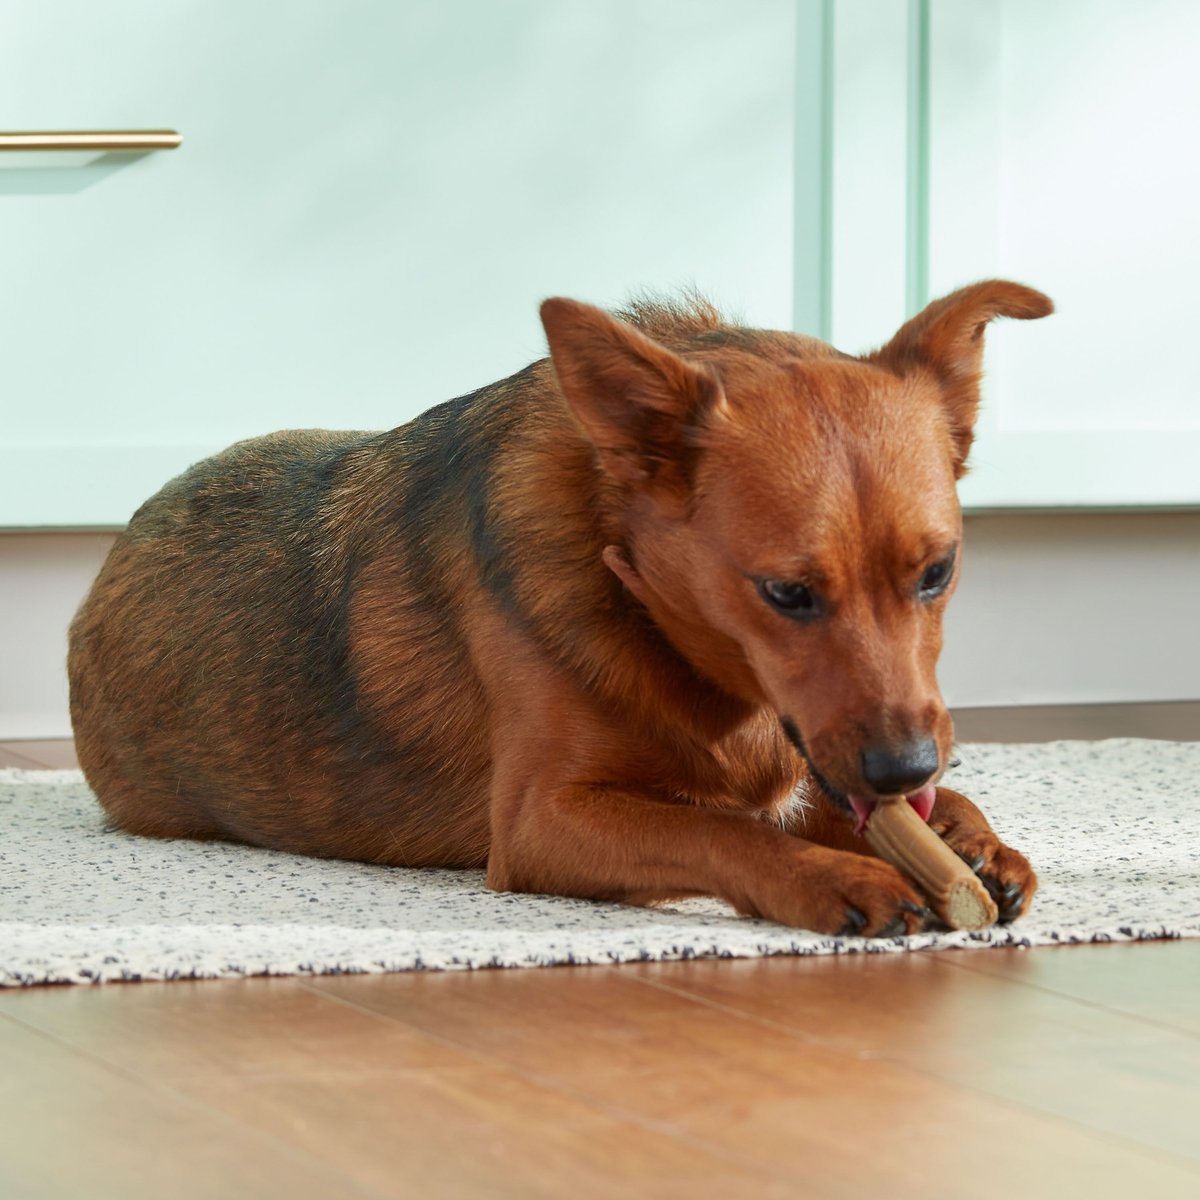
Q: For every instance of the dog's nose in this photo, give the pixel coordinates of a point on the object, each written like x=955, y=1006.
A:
x=895, y=770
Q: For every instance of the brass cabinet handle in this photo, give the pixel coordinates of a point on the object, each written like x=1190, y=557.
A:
x=93, y=139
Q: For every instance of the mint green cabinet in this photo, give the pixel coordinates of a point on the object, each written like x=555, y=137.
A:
x=1059, y=144
x=1063, y=149
x=370, y=201
x=371, y=198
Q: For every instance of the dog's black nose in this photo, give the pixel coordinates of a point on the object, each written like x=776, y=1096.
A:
x=894, y=770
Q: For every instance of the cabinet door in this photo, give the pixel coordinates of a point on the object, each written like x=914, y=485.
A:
x=1065, y=150
x=370, y=200
x=1054, y=143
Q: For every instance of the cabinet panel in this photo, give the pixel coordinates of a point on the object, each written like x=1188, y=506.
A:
x=369, y=203
x=372, y=198
x=1063, y=152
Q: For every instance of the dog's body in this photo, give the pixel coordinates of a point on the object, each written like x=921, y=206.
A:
x=591, y=626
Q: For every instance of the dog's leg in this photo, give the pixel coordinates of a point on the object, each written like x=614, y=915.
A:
x=609, y=843
x=1005, y=872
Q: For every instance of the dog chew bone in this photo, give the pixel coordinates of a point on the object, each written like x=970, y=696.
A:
x=898, y=835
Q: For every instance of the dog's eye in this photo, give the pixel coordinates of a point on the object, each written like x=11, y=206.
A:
x=936, y=579
x=791, y=599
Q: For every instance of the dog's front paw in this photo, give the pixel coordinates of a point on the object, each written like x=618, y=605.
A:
x=841, y=894
x=1005, y=872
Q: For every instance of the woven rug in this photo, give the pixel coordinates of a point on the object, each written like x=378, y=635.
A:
x=1113, y=829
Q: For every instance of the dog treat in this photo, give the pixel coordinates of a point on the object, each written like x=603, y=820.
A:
x=897, y=833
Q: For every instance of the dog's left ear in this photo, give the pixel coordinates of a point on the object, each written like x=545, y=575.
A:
x=639, y=404
x=946, y=338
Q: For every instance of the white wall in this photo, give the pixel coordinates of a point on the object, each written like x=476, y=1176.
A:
x=1076, y=609
x=1083, y=608
x=43, y=577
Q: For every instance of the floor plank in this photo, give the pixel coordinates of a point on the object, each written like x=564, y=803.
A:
x=782, y=1079
x=1152, y=981
x=1092, y=1067
x=10, y=758
x=50, y=753
x=1171, y=720
x=397, y=1111
x=72, y=1127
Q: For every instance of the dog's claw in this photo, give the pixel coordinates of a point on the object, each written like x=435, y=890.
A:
x=930, y=921
x=926, y=914
x=993, y=887
x=1012, y=900
x=976, y=863
x=856, y=922
x=896, y=927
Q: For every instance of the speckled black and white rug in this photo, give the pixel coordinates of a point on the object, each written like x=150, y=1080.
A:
x=1113, y=829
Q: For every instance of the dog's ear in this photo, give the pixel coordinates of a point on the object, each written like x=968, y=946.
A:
x=639, y=404
x=946, y=338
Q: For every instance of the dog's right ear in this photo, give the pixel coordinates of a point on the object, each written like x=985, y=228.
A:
x=946, y=338
x=639, y=404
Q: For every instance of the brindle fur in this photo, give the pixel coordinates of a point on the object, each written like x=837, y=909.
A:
x=411, y=647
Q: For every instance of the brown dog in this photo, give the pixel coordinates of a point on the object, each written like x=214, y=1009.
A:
x=593, y=625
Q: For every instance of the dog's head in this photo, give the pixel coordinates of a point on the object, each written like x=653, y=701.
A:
x=790, y=518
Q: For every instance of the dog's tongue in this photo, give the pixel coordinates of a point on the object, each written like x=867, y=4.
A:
x=922, y=801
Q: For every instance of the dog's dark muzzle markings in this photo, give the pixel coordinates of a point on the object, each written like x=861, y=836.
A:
x=884, y=774
x=887, y=770
x=836, y=795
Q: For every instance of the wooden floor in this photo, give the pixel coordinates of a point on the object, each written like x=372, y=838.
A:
x=1066, y=1072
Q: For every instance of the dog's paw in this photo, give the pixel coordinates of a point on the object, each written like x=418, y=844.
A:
x=1005, y=872
x=847, y=895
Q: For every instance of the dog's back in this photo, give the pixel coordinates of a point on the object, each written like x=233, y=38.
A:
x=288, y=644
x=218, y=685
